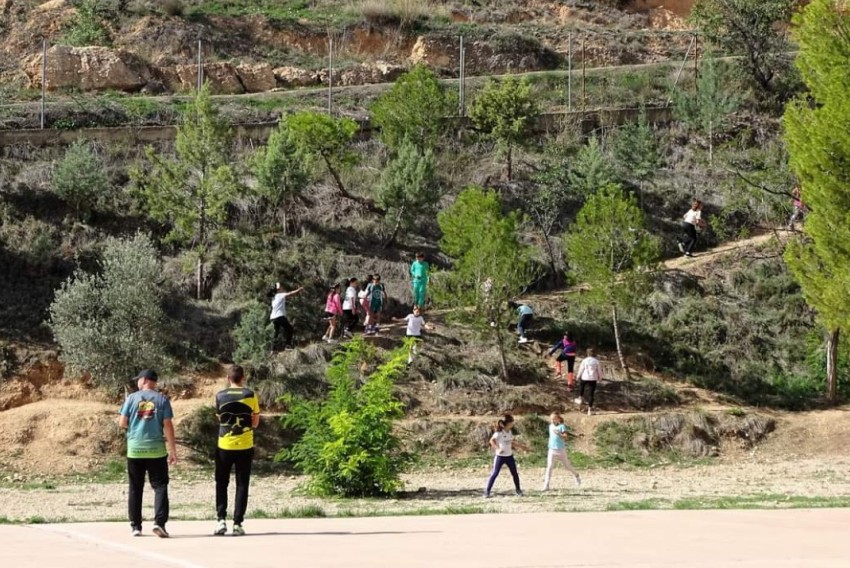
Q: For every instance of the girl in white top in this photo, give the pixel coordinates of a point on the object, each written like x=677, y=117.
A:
x=502, y=443
x=690, y=222
x=589, y=374
x=558, y=449
x=415, y=325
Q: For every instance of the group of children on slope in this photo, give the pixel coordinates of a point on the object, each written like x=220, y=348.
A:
x=343, y=313
x=589, y=372
x=502, y=442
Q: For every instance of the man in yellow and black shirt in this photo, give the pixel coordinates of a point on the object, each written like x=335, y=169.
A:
x=238, y=414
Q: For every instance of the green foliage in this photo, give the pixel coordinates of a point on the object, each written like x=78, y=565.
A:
x=505, y=111
x=192, y=192
x=708, y=108
x=79, y=178
x=111, y=324
x=87, y=26
x=635, y=149
x=325, y=138
x=610, y=249
x=491, y=266
x=818, y=138
x=399, y=112
x=348, y=446
x=590, y=169
x=747, y=28
x=409, y=190
x=253, y=337
x=282, y=169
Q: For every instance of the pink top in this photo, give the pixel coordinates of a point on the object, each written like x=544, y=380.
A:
x=334, y=304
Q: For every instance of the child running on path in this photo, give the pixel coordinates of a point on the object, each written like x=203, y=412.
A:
x=589, y=373
x=333, y=312
x=568, y=350
x=690, y=222
x=558, y=450
x=502, y=444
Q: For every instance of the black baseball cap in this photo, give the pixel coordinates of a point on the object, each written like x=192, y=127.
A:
x=148, y=374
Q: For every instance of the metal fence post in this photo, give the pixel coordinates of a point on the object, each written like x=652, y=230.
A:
x=43, y=80
x=583, y=73
x=330, y=74
x=570, y=73
x=462, y=79
x=200, y=65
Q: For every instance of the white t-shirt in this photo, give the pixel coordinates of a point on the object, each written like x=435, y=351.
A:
x=589, y=370
x=504, y=441
x=693, y=217
x=414, y=325
x=278, y=305
x=350, y=298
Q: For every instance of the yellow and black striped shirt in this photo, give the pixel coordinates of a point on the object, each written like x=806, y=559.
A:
x=236, y=407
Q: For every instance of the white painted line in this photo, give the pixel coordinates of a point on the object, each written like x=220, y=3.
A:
x=124, y=548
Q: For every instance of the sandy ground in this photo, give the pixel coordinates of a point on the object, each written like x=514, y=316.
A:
x=753, y=481
x=715, y=539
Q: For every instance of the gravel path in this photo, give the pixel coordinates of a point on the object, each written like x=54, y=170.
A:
x=816, y=481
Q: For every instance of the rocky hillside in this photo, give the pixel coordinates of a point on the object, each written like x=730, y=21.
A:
x=248, y=46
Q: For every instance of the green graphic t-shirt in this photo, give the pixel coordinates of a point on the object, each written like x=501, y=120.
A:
x=147, y=410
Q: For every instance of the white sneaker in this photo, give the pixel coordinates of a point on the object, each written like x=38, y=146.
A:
x=238, y=530
x=589, y=411
x=682, y=248
x=331, y=341
x=137, y=532
x=578, y=401
x=523, y=340
x=325, y=337
x=221, y=528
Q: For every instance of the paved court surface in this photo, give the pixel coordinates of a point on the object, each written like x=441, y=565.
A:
x=715, y=539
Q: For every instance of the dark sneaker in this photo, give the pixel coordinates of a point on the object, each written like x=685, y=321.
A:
x=160, y=531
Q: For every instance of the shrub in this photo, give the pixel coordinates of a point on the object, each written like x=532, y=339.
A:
x=111, y=324
x=403, y=13
x=79, y=178
x=253, y=337
x=348, y=445
x=87, y=27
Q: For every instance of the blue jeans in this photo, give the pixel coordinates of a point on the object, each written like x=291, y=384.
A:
x=524, y=322
x=497, y=467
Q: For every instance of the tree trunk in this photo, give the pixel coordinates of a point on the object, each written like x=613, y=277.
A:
x=200, y=277
x=551, y=252
x=832, y=365
x=510, y=163
x=619, y=345
x=396, y=229
x=503, y=361
x=367, y=203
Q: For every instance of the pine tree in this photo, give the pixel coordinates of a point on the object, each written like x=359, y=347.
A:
x=192, y=192
x=505, y=112
x=818, y=136
x=610, y=250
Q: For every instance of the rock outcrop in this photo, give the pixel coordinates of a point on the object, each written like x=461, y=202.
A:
x=90, y=69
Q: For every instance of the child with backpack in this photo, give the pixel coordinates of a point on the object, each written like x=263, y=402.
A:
x=377, y=296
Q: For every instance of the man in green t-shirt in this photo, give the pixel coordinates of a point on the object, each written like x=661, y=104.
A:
x=238, y=414
x=419, y=275
x=147, y=417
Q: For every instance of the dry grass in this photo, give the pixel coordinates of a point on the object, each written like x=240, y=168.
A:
x=403, y=13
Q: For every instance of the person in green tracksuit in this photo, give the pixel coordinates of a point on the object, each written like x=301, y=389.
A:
x=419, y=274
